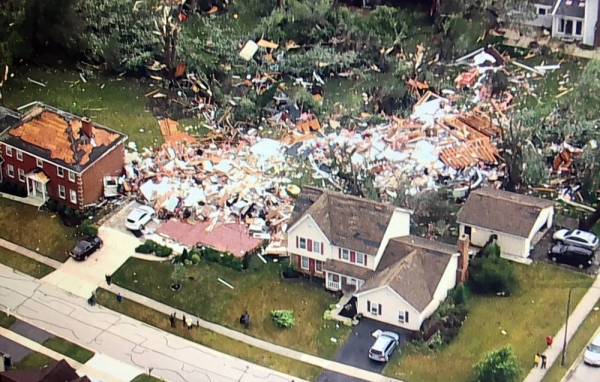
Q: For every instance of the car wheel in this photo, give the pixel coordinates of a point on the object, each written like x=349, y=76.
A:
x=561, y=242
x=580, y=266
x=554, y=259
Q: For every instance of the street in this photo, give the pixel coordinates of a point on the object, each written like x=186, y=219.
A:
x=121, y=337
x=583, y=373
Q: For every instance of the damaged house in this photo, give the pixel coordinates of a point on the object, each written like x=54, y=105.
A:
x=55, y=154
x=364, y=248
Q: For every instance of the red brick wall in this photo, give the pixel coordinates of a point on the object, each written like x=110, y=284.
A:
x=28, y=164
x=112, y=164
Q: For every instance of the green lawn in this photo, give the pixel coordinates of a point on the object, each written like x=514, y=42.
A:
x=116, y=102
x=259, y=290
x=38, y=231
x=24, y=264
x=534, y=311
x=210, y=339
x=6, y=321
x=578, y=342
x=33, y=360
x=69, y=349
x=145, y=378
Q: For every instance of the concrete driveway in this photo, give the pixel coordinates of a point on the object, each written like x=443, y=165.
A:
x=117, y=221
x=355, y=351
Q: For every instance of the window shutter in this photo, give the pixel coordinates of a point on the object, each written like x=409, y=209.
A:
x=339, y=253
x=353, y=257
x=365, y=257
x=406, y=317
x=297, y=242
x=369, y=306
x=321, y=248
x=309, y=245
x=379, y=312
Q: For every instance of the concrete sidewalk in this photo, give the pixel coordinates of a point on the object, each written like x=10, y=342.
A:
x=31, y=254
x=553, y=353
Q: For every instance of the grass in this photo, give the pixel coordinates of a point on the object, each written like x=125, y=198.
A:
x=44, y=234
x=24, y=264
x=578, y=342
x=33, y=360
x=145, y=378
x=115, y=102
x=209, y=338
x=68, y=349
x=7, y=321
x=534, y=311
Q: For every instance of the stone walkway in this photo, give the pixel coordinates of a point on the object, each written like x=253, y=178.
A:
x=578, y=315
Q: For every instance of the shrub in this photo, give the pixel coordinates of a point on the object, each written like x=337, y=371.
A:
x=88, y=229
x=144, y=249
x=185, y=255
x=283, y=318
x=498, y=365
x=491, y=274
x=459, y=294
x=163, y=251
x=151, y=247
x=195, y=258
x=223, y=258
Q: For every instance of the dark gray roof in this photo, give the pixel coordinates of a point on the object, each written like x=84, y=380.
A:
x=8, y=118
x=571, y=8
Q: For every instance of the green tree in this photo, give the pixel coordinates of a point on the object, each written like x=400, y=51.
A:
x=178, y=274
x=498, y=366
x=491, y=274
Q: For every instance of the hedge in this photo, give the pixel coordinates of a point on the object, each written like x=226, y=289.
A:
x=151, y=247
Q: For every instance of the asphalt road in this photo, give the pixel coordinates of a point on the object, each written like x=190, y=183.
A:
x=583, y=373
x=121, y=337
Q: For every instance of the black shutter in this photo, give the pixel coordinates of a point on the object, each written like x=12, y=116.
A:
x=406, y=317
x=379, y=309
x=369, y=306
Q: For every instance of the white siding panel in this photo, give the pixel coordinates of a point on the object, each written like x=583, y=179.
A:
x=391, y=304
x=511, y=245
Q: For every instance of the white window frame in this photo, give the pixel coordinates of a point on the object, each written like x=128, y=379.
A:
x=60, y=172
x=10, y=169
x=360, y=255
x=72, y=177
x=62, y=191
x=346, y=254
x=316, y=268
x=39, y=162
x=307, y=263
x=402, y=316
x=8, y=151
x=73, y=196
x=374, y=308
x=546, y=9
x=20, y=155
x=575, y=28
x=316, y=244
x=21, y=175
x=302, y=243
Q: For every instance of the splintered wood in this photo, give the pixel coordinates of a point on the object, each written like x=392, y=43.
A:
x=170, y=132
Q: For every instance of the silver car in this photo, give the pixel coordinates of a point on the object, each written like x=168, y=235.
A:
x=591, y=356
x=384, y=346
x=577, y=237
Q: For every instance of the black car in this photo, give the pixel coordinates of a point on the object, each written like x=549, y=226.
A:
x=572, y=255
x=86, y=247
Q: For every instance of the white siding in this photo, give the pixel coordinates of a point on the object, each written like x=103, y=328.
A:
x=544, y=220
x=589, y=25
x=447, y=282
x=398, y=226
x=511, y=245
x=391, y=304
x=308, y=229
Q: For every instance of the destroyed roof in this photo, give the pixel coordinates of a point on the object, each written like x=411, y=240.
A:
x=8, y=118
x=502, y=211
x=59, y=371
x=347, y=221
x=570, y=8
x=414, y=275
x=61, y=138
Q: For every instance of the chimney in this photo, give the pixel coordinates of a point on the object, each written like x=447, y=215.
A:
x=87, y=127
x=462, y=273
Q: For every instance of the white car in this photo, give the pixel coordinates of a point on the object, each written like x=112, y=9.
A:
x=139, y=217
x=592, y=352
x=577, y=237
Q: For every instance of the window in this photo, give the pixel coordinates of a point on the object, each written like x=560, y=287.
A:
x=305, y=263
x=71, y=176
x=374, y=308
x=61, y=191
x=21, y=175
x=360, y=258
x=60, y=172
x=11, y=170
x=316, y=247
x=541, y=11
x=20, y=155
x=561, y=26
x=8, y=151
x=578, y=28
x=39, y=163
x=302, y=243
x=318, y=266
x=345, y=254
x=73, y=196
x=403, y=317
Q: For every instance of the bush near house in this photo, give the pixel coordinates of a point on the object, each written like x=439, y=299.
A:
x=283, y=318
x=13, y=189
x=491, y=274
x=88, y=229
x=152, y=247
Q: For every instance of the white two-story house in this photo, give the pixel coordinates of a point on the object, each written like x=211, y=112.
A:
x=364, y=248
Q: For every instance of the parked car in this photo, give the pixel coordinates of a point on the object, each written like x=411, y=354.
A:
x=592, y=352
x=571, y=254
x=577, y=237
x=86, y=247
x=384, y=346
x=139, y=217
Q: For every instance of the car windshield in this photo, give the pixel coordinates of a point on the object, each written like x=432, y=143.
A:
x=80, y=248
x=594, y=348
x=130, y=220
x=376, y=352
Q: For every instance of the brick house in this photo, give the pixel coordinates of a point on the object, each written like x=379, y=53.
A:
x=55, y=154
x=364, y=249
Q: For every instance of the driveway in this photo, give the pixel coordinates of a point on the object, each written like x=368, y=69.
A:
x=117, y=221
x=355, y=351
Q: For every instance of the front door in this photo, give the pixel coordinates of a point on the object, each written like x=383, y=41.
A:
x=38, y=187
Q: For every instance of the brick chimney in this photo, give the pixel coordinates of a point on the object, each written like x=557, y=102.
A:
x=462, y=272
x=87, y=127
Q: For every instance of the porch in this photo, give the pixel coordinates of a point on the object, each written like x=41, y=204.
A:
x=37, y=185
x=36, y=201
x=339, y=282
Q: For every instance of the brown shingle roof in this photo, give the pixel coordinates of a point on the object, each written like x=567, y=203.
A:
x=59, y=371
x=414, y=273
x=502, y=211
x=348, y=269
x=347, y=221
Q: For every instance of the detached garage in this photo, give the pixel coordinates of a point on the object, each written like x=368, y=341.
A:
x=516, y=221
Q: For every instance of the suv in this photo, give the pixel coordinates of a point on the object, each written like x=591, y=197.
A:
x=572, y=255
x=384, y=346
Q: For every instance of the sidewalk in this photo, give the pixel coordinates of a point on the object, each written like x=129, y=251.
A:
x=576, y=318
x=31, y=254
